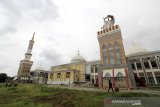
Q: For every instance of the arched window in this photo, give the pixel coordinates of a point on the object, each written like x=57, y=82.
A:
x=108, y=76
x=105, y=58
x=111, y=55
x=117, y=51
x=119, y=76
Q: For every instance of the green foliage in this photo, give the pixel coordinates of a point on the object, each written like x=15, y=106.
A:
x=12, y=89
x=116, y=89
x=10, y=84
x=47, y=89
x=33, y=95
x=15, y=84
x=3, y=77
x=26, y=104
x=131, y=94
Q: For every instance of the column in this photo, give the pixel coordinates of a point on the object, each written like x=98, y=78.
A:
x=101, y=70
x=154, y=77
x=145, y=75
x=113, y=78
x=136, y=68
x=157, y=61
x=127, y=80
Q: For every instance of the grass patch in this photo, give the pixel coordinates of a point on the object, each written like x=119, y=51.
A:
x=33, y=95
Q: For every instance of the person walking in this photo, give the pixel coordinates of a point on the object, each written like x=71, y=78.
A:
x=110, y=86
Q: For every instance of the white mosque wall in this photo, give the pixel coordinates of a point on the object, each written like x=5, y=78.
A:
x=88, y=69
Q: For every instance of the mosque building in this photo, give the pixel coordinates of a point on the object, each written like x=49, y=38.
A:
x=68, y=73
x=144, y=64
x=135, y=67
x=92, y=71
x=126, y=69
x=39, y=75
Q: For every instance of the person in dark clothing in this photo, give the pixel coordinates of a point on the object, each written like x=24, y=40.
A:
x=110, y=86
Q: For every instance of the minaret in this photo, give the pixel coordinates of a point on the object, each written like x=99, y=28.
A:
x=112, y=54
x=29, y=50
x=26, y=64
x=110, y=42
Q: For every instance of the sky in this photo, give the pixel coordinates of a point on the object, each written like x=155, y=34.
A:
x=63, y=26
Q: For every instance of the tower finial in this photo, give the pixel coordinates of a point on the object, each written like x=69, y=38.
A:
x=33, y=36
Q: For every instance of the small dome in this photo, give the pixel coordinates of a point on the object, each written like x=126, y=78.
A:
x=39, y=68
x=135, y=49
x=78, y=58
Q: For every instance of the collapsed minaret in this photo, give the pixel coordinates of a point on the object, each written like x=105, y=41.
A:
x=25, y=64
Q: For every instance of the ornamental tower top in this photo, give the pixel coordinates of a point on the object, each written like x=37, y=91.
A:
x=108, y=21
x=108, y=27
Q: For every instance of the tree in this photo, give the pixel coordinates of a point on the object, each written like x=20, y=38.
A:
x=3, y=77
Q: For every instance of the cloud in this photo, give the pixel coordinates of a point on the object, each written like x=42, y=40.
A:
x=51, y=55
x=14, y=11
x=19, y=19
x=62, y=27
x=7, y=29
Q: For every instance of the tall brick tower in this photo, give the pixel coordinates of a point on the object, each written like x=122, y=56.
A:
x=112, y=54
x=25, y=64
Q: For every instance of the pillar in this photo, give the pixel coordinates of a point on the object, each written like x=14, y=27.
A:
x=154, y=77
x=136, y=68
x=113, y=80
x=127, y=80
x=145, y=74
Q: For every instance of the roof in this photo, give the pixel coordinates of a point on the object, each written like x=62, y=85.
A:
x=136, y=49
x=39, y=68
x=150, y=54
x=78, y=58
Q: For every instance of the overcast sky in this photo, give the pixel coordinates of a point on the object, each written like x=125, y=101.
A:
x=63, y=26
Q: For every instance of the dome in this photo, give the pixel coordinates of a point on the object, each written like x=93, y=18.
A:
x=39, y=68
x=135, y=49
x=78, y=58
